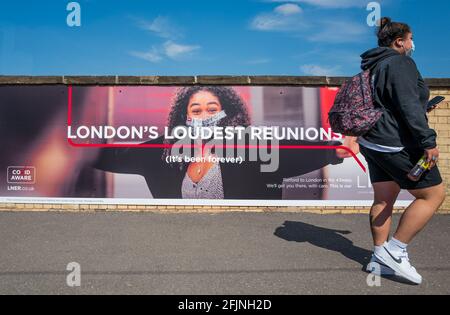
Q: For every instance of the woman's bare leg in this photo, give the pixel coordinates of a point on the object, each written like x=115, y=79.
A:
x=386, y=194
x=419, y=212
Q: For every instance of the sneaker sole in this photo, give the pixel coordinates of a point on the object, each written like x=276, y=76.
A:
x=388, y=261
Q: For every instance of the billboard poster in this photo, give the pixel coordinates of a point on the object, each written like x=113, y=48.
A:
x=177, y=145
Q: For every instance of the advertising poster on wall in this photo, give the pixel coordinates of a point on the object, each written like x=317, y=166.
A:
x=192, y=145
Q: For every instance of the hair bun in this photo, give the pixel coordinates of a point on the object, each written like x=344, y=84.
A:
x=385, y=21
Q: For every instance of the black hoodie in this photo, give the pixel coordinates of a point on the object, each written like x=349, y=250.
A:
x=400, y=90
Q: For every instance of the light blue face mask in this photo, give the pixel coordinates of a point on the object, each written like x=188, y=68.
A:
x=410, y=52
x=208, y=122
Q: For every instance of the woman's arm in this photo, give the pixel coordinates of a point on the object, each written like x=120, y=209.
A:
x=403, y=93
x=296, y=162
x=133, y=160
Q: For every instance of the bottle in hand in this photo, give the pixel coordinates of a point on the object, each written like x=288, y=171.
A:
x=419, y=169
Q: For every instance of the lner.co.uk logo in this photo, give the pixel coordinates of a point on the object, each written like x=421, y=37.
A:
x=25, y=175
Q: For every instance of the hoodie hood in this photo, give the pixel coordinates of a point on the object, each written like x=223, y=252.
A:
x=374, y=56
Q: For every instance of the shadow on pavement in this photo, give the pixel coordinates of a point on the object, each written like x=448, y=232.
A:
x=329, y=239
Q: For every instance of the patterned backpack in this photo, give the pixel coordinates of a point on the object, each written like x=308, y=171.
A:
x=354, y=111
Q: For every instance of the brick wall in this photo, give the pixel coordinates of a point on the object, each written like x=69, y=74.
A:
x=439, y=120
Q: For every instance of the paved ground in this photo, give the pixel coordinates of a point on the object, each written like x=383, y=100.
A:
x=234, y=253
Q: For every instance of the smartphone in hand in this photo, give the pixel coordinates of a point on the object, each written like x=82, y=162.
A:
x=433, y=103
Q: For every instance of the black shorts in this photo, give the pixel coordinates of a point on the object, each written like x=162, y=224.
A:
x=384, y=167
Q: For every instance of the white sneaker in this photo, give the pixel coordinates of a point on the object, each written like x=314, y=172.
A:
x=376, y=267
x=399, y=262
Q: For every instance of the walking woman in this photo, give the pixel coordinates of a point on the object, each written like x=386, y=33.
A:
x=395, y=144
